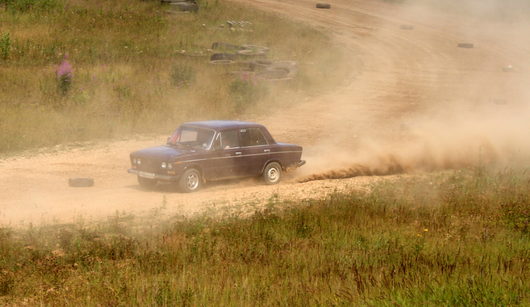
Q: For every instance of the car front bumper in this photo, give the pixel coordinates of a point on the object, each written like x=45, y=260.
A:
x=153, y=176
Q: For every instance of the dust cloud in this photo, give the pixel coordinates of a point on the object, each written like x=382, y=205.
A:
x=470, y=109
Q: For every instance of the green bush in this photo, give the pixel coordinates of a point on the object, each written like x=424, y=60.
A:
x=5, y=46
x=26, y=5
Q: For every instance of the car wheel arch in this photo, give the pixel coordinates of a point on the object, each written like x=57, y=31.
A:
x=270, y=161
x=196, y=167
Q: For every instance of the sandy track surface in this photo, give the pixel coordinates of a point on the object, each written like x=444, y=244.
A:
x=397, y=75
x=41, y=194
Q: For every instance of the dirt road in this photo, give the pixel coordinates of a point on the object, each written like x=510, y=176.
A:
x=414, y=99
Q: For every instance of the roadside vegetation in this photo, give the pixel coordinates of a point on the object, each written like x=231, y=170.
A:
x=140, y=68
x=453, y=239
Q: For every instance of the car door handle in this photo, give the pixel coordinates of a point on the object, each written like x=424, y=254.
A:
x=266, y=150
x=238, y=153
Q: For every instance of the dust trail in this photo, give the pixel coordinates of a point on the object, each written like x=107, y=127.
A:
x=496, y=138
x=390, y=167
x=473, y=113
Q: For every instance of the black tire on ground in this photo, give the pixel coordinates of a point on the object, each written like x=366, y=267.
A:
x=323, y=6
x=290, y=66
x=263, y=62
x=147, y=183
x=222, y=58
x=285, y=64
x=274, y=73
x=173, y=1
x=252, y=53
x=226, y=46
x=255, y=48
x=190, y=181
x=272, y=174
x=259, y=65
x=244, y=74
x=80, y=182
x=185, y=6
x=465, y=45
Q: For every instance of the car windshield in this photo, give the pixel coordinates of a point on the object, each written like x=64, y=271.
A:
x=198, y=138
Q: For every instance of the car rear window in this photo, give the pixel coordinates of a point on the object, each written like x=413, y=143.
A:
x=252, y=137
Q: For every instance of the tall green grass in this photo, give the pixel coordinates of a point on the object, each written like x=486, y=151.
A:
x=451, y=240
x=129, y=58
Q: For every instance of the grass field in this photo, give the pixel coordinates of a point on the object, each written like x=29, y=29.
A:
x=454, y=239
x=139, y=69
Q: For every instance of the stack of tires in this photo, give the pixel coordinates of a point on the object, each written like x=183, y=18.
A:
x=253, y=61
x=275, y=70
x=228, y=53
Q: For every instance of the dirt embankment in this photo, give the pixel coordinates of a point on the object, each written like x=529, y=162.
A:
x=415, y=101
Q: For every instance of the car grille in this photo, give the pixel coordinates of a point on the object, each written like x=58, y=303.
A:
x=149, y=166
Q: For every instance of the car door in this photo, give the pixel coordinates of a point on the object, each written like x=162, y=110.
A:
x=255, y=151
x=225, y=164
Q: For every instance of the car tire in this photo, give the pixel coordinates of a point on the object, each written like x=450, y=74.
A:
x=190, y=181
x=147, y=183
x=226, y=46
x=272, y=173
x=465, y=45
x=185, y=6
x=222, y=58
x=323, y=6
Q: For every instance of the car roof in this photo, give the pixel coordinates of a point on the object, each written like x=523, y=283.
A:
x=222, y=124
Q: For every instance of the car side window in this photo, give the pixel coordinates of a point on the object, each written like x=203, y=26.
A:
x=216, y=145
x=252, y=137
x=229, y=139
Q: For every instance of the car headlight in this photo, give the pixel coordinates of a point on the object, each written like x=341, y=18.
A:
x=163, y=165
x=170, y=166
x=138, y=161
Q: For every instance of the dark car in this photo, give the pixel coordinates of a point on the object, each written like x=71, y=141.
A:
x=214, y=150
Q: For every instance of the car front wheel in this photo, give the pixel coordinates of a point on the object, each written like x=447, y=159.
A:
x=146, y=183
x=190, y=181
x=272, y=173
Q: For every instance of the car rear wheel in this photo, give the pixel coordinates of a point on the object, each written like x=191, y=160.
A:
x=272, y=173
x=146, y=182
x=190, y=181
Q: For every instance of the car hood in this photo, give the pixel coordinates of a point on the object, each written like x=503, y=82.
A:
x=162, y=153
